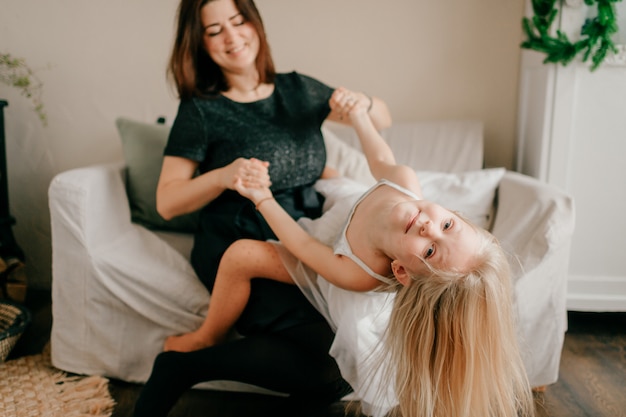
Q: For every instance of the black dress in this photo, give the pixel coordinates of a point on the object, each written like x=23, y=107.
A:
x=283, y=129
x=287, y=340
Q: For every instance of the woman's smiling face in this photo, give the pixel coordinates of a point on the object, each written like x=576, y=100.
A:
x=230, y=40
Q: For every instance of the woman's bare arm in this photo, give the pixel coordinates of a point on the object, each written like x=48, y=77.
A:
x=180, y=192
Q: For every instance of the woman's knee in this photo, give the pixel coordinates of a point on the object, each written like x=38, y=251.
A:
x=167, y=365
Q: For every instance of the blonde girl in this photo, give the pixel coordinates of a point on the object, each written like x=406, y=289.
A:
x=447, y=346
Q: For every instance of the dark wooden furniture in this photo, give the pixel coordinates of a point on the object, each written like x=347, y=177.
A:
x=11, y=255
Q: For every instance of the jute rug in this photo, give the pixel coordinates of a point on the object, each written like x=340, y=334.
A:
x=31, y=387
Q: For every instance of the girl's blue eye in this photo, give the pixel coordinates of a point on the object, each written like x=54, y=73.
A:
x=429, y=252
x=447, y=225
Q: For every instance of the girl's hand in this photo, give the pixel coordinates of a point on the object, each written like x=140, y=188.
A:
x=253, y=182
x=252, y=172
x=349, y=103
x=254, y=194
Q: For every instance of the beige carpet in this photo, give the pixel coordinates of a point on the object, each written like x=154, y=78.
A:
x=31, y=387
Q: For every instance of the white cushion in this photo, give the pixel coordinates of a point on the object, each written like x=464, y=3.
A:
x=445, y=146
x=471, y=193
x=349, y=161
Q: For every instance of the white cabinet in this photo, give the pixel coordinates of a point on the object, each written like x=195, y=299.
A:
x=572, y=134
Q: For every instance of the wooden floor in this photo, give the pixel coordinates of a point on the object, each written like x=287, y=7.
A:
x=592, y=380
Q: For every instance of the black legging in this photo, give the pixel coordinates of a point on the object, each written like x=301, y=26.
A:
x=272, y=306
x=287, y=340
x=290, y=361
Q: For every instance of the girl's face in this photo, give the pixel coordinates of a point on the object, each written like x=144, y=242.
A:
x=423, y=230
x=231, y=41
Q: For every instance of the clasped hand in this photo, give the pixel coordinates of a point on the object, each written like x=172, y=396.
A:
x=251, y=179
x=349, y=103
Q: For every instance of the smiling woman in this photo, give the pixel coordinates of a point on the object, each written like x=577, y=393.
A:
x=236, y=111
x=233, y=43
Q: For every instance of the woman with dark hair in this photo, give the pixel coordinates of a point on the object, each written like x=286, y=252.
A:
x=236, y=110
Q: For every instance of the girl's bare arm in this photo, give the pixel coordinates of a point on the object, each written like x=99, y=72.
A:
x=337, y=269
x=380, y=158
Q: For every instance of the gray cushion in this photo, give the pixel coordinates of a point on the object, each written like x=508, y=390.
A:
x=142, y=145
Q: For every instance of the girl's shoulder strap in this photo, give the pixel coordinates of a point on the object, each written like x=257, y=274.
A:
x=342, y=246
x=399, y=188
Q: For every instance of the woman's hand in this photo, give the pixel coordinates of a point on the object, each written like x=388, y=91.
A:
x=345, y=102
x=252, y=173
x=252, y=180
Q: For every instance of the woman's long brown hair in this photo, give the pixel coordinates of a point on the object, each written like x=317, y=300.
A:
x=192, y=70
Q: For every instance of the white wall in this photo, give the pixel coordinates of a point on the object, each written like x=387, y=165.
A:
x=102, y=59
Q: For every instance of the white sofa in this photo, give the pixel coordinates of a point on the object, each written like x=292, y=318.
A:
x=119, y=289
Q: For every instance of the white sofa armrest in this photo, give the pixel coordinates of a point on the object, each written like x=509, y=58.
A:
x=91, y=200
x=118, y=288
x=535, y=223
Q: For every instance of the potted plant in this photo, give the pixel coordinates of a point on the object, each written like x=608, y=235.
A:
x=14, y=72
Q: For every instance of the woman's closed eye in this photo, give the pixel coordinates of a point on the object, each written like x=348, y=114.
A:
x=214, y=30
x=238, y=20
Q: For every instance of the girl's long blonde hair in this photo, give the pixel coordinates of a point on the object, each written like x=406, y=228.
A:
x=452, y=345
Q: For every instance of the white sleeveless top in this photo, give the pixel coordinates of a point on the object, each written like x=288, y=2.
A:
x=342, y=246
x=359, y=319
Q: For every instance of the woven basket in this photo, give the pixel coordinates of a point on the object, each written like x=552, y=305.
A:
x=14, y=319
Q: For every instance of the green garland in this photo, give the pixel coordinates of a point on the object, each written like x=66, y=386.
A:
x=595, y=40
